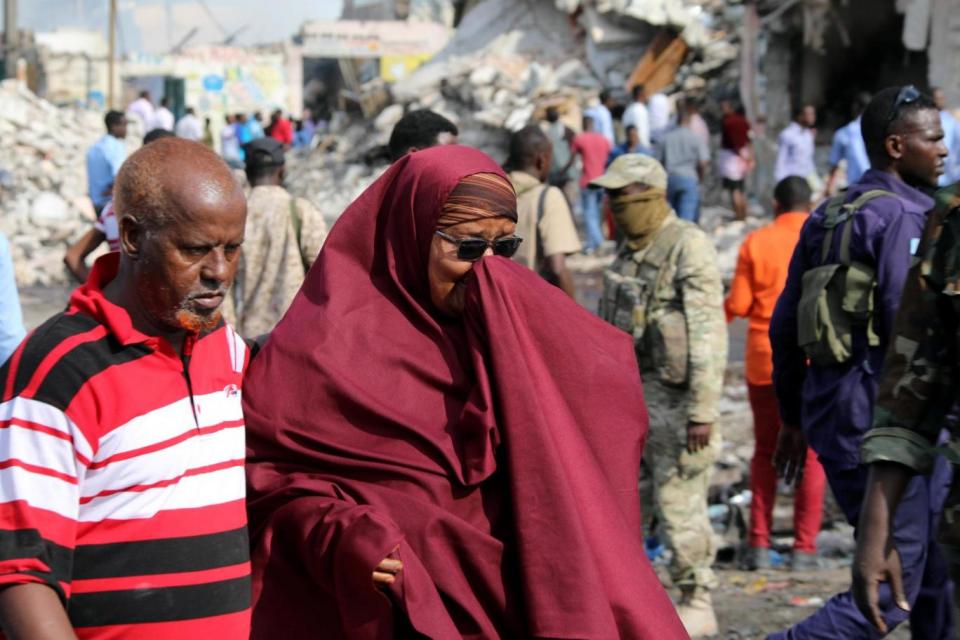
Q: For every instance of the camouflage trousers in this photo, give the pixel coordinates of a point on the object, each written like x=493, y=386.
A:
x=680, y=483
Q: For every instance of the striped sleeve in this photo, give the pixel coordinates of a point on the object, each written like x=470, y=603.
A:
x=43, y=458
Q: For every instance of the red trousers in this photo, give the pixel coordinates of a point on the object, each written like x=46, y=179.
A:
x=808, y=499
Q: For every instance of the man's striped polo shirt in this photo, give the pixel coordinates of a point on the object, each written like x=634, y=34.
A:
x=121, y=473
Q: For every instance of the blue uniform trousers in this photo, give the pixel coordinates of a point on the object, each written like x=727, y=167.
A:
x=925, y=571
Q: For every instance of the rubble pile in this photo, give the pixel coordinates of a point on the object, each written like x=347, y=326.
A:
x=332, y=179
x=728, y=234
x=504, y=57
x=43, y=185
x=505, y=64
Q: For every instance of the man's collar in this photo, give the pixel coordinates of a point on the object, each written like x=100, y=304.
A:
x=874, y=178
x=791, y=218
x=268, y=186
x=523, y=178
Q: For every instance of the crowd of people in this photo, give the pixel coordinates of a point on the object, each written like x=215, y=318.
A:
x=237, y=129
x=247, y=425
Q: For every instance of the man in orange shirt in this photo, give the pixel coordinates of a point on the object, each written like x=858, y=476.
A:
x=760, y=277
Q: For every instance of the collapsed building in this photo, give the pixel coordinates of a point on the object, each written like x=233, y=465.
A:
x=500, y=63
x=43, y=186
x=507, y=61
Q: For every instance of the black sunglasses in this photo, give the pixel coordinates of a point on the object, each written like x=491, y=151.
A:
x=907, y=95
x=472, y=249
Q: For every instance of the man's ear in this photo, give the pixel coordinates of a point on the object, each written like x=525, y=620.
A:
x=893, y=145
x=544, y=160
x=132, y=235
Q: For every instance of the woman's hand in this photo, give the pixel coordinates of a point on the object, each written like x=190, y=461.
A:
x=386, y=572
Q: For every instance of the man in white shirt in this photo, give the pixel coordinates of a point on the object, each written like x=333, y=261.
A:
x=190, y=126
x=659, y=108
x=637, y=115
x=142, y=107
x=795, y=155
x=163, y=117
x=601, y=116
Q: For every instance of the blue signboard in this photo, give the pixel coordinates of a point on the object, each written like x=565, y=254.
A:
x=213, y=83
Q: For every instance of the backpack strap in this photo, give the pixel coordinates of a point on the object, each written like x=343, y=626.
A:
x=830, y=220
x=839, y=214
x=541, y=209
x=854, y=208
x=541, y=202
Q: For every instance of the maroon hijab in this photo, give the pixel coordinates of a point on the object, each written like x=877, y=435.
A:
x=497, y=456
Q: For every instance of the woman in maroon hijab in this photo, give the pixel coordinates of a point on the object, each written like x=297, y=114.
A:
x=443, y=446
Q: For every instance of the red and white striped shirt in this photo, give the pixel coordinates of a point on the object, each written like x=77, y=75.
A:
x=121, y=473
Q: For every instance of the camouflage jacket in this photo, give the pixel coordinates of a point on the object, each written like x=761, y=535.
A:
x=669, y=297
x=275, y=255
x=922, y=369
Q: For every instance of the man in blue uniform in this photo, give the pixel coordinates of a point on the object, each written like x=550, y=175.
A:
x=853, y=257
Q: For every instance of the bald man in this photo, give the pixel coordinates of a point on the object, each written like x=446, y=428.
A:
x=121, y=432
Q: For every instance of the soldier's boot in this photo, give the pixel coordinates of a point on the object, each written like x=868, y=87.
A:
x=696, y=612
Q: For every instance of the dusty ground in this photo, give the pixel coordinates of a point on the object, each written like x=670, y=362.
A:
x=749, y=605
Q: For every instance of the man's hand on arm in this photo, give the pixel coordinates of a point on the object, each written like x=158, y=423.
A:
x=698, y=436
x=877, y=559
x=33, y=612
x=791, y=454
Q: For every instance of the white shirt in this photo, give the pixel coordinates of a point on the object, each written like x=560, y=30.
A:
x=637, y=115
x=162, y=119
x=190, y=128
x=143, y=109
x=795, y=156
x=229, y=145
x=659, y=106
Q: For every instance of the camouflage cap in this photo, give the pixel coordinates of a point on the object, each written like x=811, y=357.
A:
x=630, y=168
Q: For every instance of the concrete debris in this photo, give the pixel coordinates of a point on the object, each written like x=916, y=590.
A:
x=44, y=192
x=506, y=62
x=388, y=117
x=327, y=181
x=728, y=234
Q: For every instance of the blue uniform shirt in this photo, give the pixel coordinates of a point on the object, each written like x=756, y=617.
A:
x=103, y=162
x=11, y=319
x=848, y=145
x=834, y=405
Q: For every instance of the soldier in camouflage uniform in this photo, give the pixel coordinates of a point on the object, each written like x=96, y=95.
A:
x=665, y=290
x=919, y=390
x=283, y=237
